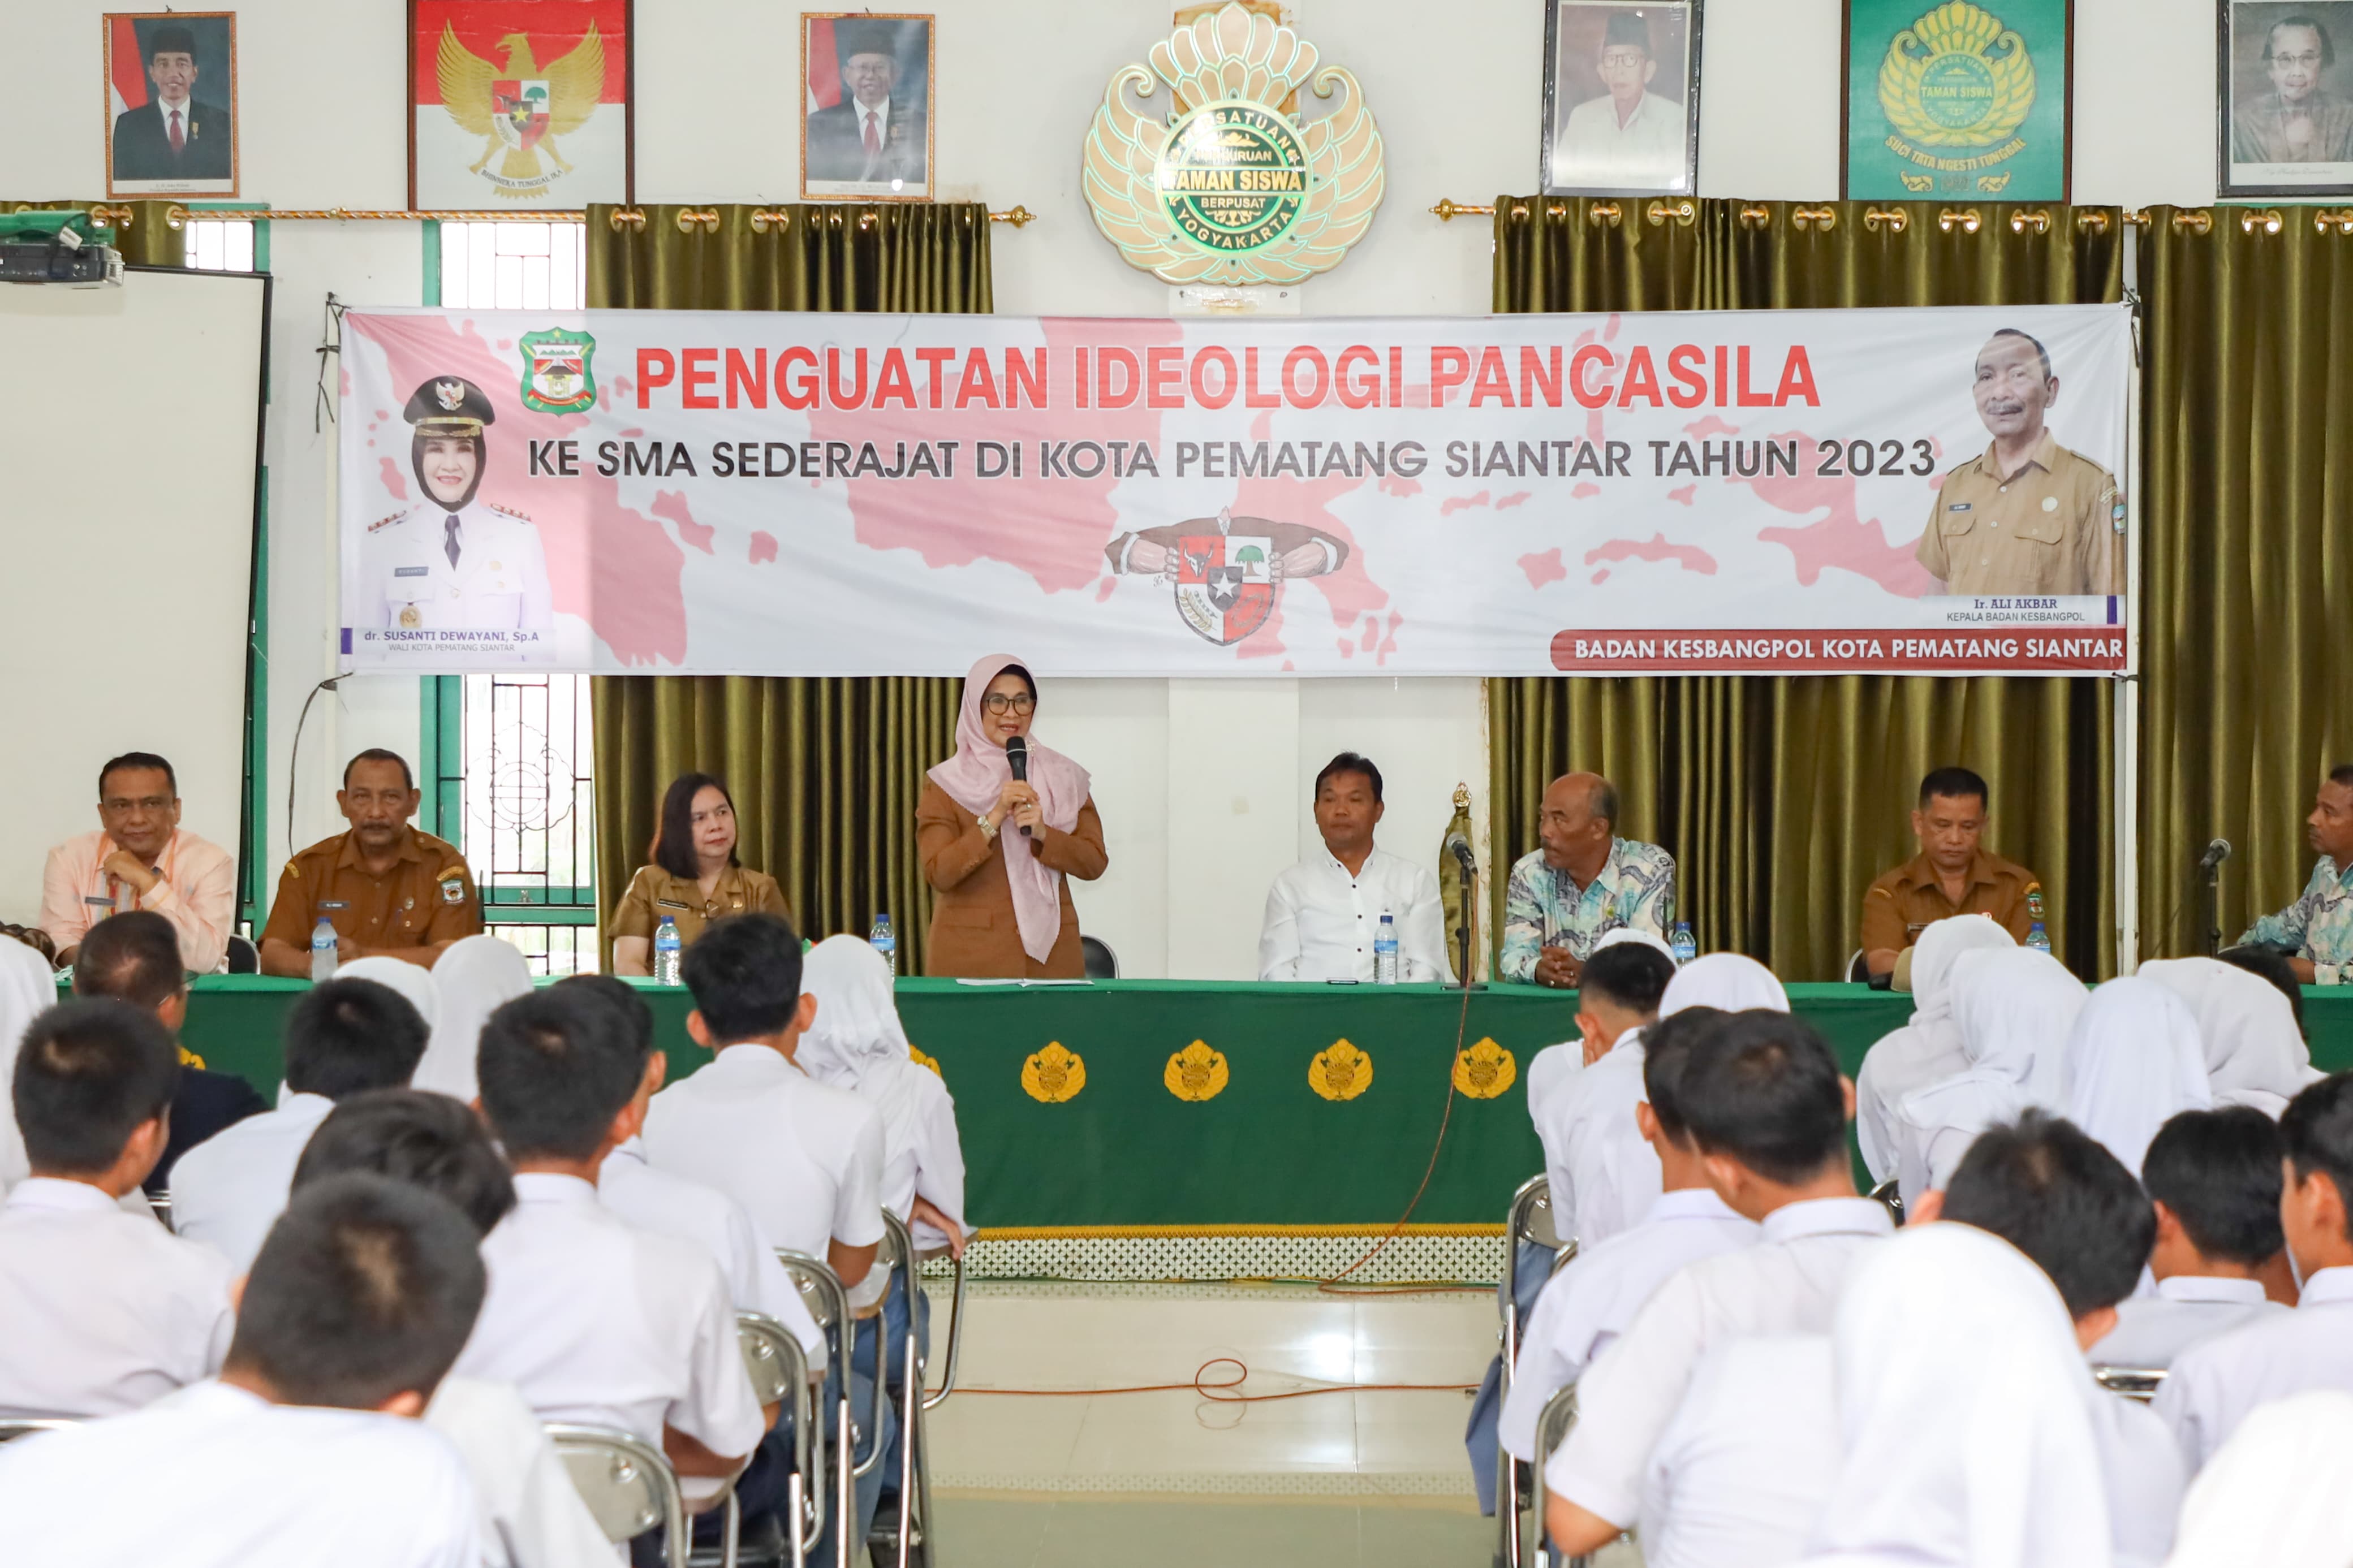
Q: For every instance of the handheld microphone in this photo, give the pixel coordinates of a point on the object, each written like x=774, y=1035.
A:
x=1017, y=757
x=1460, y=848
x=2216, y=853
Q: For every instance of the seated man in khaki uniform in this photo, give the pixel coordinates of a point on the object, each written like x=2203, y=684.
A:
x=1952, y=875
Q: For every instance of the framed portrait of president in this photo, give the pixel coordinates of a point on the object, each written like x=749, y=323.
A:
x=2285, y=98
x=1621, y=98
x=171, y=103
x=868, y=133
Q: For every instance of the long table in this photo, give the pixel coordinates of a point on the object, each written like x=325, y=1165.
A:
x=1307, y=1106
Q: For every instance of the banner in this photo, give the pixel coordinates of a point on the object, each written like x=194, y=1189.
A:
x=721, y=492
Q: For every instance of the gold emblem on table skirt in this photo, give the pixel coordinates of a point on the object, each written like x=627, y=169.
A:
x=921, y=1061
x=1054, y=1075
x=1195, y=1073
x=1342, y=1072
x=1485, y=1071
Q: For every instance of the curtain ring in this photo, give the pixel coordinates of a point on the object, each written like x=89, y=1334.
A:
x=2341, y=220
x=1895, y=219
x=630, y=219
x=2039, y=220
x=689, y=220
x=764, y=219
x=866, y=219
x=1824, y=217
x=1557, y=210
x=176, y=216
x=1598, y=213
x=1756, y=218
x=1965, y=220
x=2269, y=220
x=2200, y=222
x=107, y=217
x=1682, y=212
x=2094, y=221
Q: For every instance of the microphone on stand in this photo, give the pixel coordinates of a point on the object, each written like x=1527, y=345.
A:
x=2216, y=853
x=1460, y=848
x=1017, y=757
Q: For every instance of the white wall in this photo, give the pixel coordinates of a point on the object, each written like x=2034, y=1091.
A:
x=1203, y=783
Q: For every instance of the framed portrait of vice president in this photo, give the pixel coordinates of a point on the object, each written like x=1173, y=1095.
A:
x=867, y=136
x=1621, y=98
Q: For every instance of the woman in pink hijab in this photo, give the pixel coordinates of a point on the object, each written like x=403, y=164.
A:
x=997, y=849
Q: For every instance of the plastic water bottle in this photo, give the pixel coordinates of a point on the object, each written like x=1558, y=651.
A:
x=883, y=942
x=323, y=950
x=666, y=945
x=1385, y=953
x=1684, y=947
x=2038, y=938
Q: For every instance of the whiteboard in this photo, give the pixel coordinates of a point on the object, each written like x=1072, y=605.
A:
x=130, y=445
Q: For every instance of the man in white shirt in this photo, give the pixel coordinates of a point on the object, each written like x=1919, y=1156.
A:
x=591, y=1319
x=305, y=1450
x=1740, y=1474
x=1630, y=138
x=1604, y=1176
x=1767, y=1110
x=2213, y=1385
x=344, y=1037
x=1323, y=915
x=2213, y=1178
x=101, y=1311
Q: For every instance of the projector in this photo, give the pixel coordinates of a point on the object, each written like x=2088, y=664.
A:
x=57, y=248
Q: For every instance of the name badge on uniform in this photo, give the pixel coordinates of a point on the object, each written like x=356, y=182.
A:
x=332, y=904
x=671, y=904
x=1911, y=932
x=453, y=888
x=412, y=571
x=1958, y=506
x=98, y=903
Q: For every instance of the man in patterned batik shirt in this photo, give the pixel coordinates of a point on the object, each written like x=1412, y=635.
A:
x=2317, y=929
x=1584, y=882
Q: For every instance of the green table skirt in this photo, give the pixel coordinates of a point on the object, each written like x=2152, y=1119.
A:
x=1309, y=1107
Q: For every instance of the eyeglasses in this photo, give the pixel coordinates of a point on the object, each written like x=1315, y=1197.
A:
x=2308, y=61
x=997, y=702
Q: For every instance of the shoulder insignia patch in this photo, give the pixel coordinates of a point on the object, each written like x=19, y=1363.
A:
x=508, y=511
x=453, y=885
x=294, y=868
x=385, y=522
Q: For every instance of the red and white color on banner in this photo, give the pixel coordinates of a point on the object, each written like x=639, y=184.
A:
x=520, y=103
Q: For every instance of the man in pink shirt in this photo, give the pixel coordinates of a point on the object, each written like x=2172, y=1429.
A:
x=140, y=859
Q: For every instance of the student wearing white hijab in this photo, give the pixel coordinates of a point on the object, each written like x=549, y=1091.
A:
x=2274, y=1497
x=2254, y=1054
x=26, y=987
x=2132, y=1064
x=474, y=977
x=1966, y=1414
x=414, y=983
x=1927, y=1048
x=2015, y=1010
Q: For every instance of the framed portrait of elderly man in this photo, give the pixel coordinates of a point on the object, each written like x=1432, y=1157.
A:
x=1621, y=98
x=2285, y=98
x=171, y=103
x=867, y=135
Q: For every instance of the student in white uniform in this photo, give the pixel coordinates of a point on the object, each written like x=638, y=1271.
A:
x=2015, y=1009
x=2049, y=1189
x=531, y=1514
x=2255, y=1050
x=1767, y=1110
x=1550, y=1071
x=2275, y=1493
x=1324, y=914
x=101, y=1311
x=593, y=1319
x=1927, y=1048
x=28, y=988
x=1740, y=1474
x=305, y=1450
x=344, y=1037
x=2133, y=1063
x=2213, y=1178
x=475, y=976
x=2215, y=1384
x=1603, y=1177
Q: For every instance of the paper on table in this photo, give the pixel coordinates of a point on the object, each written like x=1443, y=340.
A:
x=1024, y=982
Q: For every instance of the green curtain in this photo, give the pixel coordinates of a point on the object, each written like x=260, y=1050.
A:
x=824, y=771
x=2246, y=555
x=146, y=238
x=1781, y=798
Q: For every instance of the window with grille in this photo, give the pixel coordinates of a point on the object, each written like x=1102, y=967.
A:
x=507, y=757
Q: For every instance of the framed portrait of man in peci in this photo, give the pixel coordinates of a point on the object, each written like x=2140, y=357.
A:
x=2285, y=126
x=867, y=134
x=171, y=103
x=1621, y=98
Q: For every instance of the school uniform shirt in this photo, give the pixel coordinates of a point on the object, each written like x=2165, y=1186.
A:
x=1595, y=1296
x=2212, y=1386
x=102, y=1312
x=1604, y=1177
x=1322, y=920
x=1788, y=1283
x=597, y=1322
x=198, y=894
x=532, y=1515
x=2152, y=1332
x=1742, y=1470
x=213, y=1477
x=2145, y=1479
x=671, y=1205
x=805, y=1159
x=227, y=1190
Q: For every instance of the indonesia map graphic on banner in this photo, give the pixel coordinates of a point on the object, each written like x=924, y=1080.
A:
x=716, y=492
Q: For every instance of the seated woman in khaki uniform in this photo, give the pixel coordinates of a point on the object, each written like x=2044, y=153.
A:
x=695, y=877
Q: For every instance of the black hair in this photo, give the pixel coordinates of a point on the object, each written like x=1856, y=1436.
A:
x=138, y=759
x=2267, y=964
x=2056, y=1193
x=1666, y=1049
x=2218, y=1172
x=378, y=755
x=366, y=1288
x=134, y=957
x=674, y=846
x=1763, y=1089
x=89, y=1072
x=622, y=997
x=554, y=1068
x=347, y=1036
x=745, y=973
x=1956, y=784
x=2327, y=59
x=2342, y=773
x=1026, y=679
x=428, y=1140
x=2316, y=1135
x=1633, y=974
x=1350, y=763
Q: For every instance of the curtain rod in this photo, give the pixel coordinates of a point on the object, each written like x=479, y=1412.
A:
x=2197, y=220
x=689, y=219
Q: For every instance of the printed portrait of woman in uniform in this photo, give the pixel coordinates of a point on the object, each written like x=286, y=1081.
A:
x=2286, y=120
x=1621, y=98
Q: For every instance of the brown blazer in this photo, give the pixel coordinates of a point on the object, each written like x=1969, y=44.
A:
x=973, y=933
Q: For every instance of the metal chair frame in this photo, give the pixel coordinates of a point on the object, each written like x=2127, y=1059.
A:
x=615, y=1448
x=1530, y=1204
x=955, y=1338
x=1887, y=1195
x=1553, y=1424
x=828, y=1303
x=2140, y=1382
x=914, y=1451
x=31, y=1426
x=779, y=1372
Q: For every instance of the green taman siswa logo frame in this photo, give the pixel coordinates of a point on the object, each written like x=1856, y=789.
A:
x=1966, y=99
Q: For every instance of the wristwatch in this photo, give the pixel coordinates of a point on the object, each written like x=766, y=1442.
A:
x=988, y=828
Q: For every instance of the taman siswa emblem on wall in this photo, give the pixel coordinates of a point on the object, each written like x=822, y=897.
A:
x=1203, y=177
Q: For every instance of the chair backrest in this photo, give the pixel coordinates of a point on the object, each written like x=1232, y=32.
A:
x=773, y=1357
x=1531, y=1213
x=2133, y=1382
x=1887, y=1195
x=28, y=1427
x=244, y=958
x=1100, y=962
x=627, y=1483
x=1858, y=969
